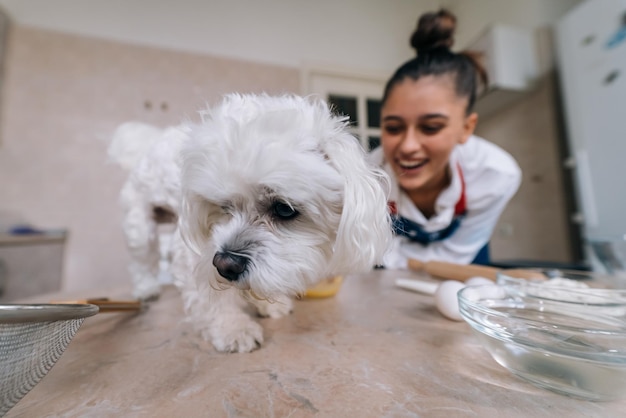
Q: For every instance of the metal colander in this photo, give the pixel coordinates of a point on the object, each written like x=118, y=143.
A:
x=32, y=338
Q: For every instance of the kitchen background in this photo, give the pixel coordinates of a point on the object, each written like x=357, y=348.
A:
x=73, y=70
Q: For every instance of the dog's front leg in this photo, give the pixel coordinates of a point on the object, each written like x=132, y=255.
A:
x=219, y=317
x=277, y=308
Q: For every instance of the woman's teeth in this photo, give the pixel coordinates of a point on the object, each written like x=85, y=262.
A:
x=409, y=165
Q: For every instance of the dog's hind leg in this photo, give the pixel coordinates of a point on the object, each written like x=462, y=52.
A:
x=142, y=239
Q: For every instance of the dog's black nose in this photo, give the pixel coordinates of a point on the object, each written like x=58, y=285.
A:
x=230, y=265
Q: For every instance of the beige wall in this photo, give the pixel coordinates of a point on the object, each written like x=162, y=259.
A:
x=534, y=225
x=63, y=95
x=360, y=34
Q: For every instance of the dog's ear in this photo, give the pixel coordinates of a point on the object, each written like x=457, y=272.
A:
x=194, y=222
x=364, y=233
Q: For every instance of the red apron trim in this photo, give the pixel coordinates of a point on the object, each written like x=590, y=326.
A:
x=461, y=206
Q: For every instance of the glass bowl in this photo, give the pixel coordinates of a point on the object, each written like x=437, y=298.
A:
x=575, y=287
x=569, y=347
x=583, y=278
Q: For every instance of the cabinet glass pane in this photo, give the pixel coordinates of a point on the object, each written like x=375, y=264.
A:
x=373, y=113
x=344, y=105
x=374, y=142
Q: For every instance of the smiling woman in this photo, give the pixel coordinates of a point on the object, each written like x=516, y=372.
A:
x=449, y=186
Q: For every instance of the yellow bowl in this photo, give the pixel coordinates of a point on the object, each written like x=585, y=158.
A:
x=325, y=288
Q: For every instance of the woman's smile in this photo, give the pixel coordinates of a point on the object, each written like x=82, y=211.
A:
x=411, y=167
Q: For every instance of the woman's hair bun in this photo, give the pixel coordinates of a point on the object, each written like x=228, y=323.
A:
x=434, y=30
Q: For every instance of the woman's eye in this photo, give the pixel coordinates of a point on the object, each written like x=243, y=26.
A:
x=284, y=211
x=393, y=130
x=431, y=129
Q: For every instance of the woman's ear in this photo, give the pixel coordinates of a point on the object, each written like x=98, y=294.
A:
x=468, y=126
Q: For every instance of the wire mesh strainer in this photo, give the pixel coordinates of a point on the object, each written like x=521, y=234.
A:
x=32, y=338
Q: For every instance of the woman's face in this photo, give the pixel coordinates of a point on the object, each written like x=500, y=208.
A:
x=422, y=121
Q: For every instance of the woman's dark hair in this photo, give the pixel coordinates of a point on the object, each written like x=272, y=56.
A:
x=432, y=41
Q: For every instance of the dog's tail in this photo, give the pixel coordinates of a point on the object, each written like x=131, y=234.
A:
x=131, y=141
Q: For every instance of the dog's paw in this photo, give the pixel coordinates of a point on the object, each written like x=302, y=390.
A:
x=277, y=309
x=239, y=336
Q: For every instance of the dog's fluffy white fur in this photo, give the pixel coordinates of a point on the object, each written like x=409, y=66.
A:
x=272, y=194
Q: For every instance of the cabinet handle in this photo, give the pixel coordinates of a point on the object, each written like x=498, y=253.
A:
x=588, y=40
x=611, y=77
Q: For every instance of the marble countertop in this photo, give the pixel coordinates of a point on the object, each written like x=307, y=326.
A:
x=373, y=350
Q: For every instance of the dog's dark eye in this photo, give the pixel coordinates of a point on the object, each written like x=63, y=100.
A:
x=284, y=211
x=226, y=207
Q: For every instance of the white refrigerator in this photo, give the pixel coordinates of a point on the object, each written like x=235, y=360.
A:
x=591, y=51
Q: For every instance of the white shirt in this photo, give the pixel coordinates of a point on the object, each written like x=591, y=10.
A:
x=491, y=177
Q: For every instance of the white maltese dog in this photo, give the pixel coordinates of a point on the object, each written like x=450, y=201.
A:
x=272, y=194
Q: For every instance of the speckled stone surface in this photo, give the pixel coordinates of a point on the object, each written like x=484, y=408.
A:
x=371, y=351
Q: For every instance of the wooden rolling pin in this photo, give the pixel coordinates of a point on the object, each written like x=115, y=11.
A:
x=106, y=305
x=461, y=272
